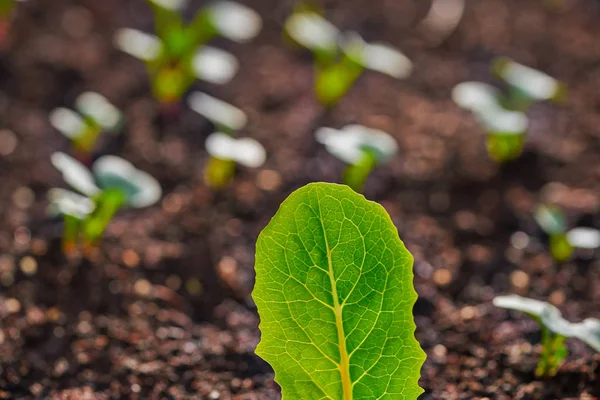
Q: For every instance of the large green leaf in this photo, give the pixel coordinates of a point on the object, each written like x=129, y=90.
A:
x=334, y=293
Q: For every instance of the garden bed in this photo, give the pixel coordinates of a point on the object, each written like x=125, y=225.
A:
x=163, y=309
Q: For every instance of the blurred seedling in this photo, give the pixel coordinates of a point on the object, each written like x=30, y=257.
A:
x=340, y=59
x=225, y=149
x=74, y=208
x=562, y=240
x=112, y=184
x=178, y=55
x=502, y=113
x=361, y=148
x=442, y=19
x=555, y=330
x=94, y=115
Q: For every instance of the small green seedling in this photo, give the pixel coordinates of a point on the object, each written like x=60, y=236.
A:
x=226, y=151
x=74, y=208
x=563, y=241
x=95, y=115
x=361, y=148
x=341, y=59
x=502, y=113
x=526, y=86
x=179, y=55
x=555, y=329
x=334, y=292
x=114, y=184
x=505, y=129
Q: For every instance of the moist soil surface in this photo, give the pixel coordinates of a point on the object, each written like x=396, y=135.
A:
x=163, y=309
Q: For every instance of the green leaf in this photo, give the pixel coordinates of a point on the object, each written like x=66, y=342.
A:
x=334, y=291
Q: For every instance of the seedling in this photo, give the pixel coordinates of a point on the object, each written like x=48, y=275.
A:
x=334, y=292
x=341, y=59
x=74, y=208
x=563, y=241
x=361, y=148
x=113, y=185
x=224, y=116
x=178, y=55
x=526, y=86
x=505, y=129
x=502, y=113
x=95, y=115
x=226, y=152
x=555, y=330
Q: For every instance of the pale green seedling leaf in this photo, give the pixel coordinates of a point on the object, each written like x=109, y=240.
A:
x=334, y=291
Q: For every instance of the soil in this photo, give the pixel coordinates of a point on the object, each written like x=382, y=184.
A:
x=163, y=309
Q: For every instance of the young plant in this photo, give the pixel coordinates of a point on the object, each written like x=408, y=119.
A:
x=334, y=292
x=95, y=115
x=341, y=59
x=502, y=113
x=563, y=241
x=526, y=86
x=505, y=129
x=178, y=55
x=226, y=151
x=555, y=329
x=113, y=185
x=74, y=208
x=360, y=147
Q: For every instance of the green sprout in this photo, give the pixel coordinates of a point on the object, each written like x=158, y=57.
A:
x=178, y=55
x=95, y=116
x=113, y=185
x=225, y=149
x=361, y=148
x=526, y=86
x=555, y=330
x=334, y=291
x=563, y=241
x=341, y=59
x=502, y=113
x=74, y=208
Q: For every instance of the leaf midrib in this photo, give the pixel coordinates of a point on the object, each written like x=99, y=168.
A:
x=344, y=364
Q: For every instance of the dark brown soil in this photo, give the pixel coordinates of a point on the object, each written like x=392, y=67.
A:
x=163, y=311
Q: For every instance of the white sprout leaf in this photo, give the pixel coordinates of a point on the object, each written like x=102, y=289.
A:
x=98, y=108
x=584, y=238
x=214, y=65
x=217, y=111
x=66, y=202
x=589, y=332
x=349, y=143
x=504, y=121
x=235, y=21
x=75, y=174
x=247, y=152
x=534, y=83
x=250, y=153
x=523, y=304
x=67, y=122
x=548, y=315
x=139, y=44
x=444, y=16
x=376, y=56
x=477, y=97
x=173, y=5
x=140, y=188
x=550, y=219
x=312, y=31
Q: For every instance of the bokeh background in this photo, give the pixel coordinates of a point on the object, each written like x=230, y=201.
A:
x=164, y=310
